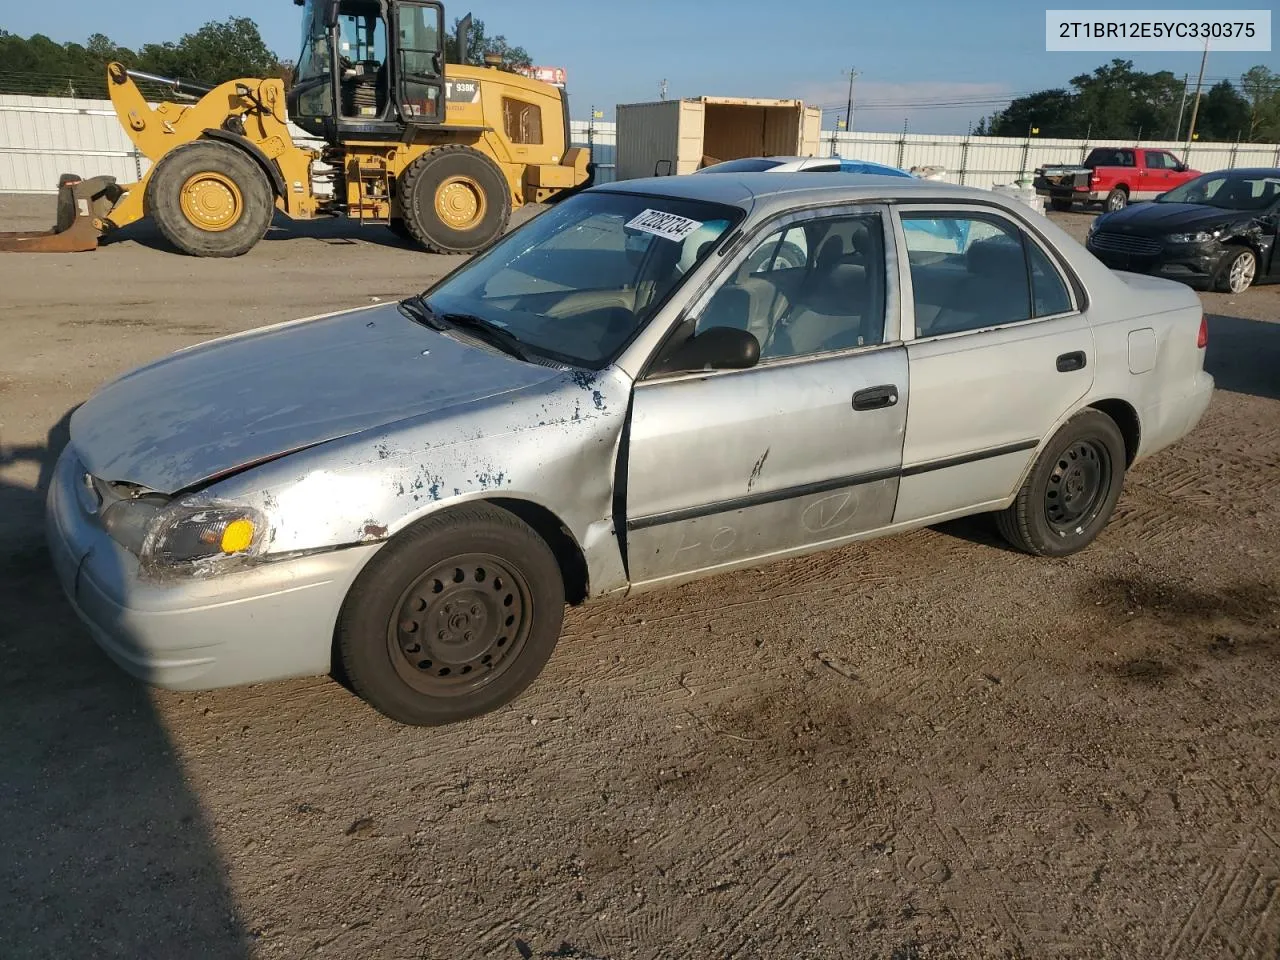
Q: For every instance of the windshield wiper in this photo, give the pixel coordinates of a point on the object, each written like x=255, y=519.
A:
x=415, y=308
x=487, y=331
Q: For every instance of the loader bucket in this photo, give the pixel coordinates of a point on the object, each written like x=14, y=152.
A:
x=82, y=205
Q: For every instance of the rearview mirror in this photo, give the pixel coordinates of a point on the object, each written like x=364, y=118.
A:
x=716, y=348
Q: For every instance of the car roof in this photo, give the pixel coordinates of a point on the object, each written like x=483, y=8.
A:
x=783, y=190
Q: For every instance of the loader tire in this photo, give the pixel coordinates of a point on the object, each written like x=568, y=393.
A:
x=210, y=199
x=454, y=199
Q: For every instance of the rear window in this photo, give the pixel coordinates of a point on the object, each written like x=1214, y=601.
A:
x=1109, y=157
x=749, y=165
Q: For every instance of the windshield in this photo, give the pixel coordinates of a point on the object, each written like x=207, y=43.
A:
x=750, y=165
x=1229, y=191
x=313, y=62
x=577, y=282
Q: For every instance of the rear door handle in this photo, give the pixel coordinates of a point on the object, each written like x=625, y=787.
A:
x=876, y=398
x=1071, y=361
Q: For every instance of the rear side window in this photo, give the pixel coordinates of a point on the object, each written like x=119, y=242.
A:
x=522, y=121
x=976, y=271
x=1048, y=291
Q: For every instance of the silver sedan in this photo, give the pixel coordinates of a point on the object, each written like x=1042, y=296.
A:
x=632, y=390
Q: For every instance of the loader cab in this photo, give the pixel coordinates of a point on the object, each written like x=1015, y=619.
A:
x=369, y=68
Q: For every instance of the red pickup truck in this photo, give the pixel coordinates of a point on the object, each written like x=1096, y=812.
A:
x=1113, y=175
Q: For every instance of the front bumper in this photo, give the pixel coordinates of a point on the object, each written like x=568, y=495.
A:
x=1193, y=264
x=269, y=622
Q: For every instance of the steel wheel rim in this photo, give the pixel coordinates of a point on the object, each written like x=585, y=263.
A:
x=1077, y=487
x=460, y=625
x=211, y=201
x=461, y=203
x=1243, y=270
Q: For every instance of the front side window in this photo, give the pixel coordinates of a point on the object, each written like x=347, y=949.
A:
x=1158, y=161
x=579, y=281
x=973, y=272
x=522, y=121
x=809, y=288
x=313, y=75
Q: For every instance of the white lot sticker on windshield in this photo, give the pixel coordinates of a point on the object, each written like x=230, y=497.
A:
x=669, y=226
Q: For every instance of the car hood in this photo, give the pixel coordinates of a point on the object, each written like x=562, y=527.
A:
x=1168, y=217
x=220, y=406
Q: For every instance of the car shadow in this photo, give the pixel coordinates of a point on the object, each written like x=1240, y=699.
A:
x=104, y=850
x=1244, y=355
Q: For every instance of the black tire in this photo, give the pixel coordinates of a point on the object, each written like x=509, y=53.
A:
x=439, y=168
x=1061, y=204
x=426, y=648
x=1238, y=271
x=254, y=207
x=1117, y=199
x=1061, y=508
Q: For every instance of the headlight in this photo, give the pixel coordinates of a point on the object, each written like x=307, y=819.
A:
x=129, y=521
x=173, y=535
x=191, y=532
x=1200, y=236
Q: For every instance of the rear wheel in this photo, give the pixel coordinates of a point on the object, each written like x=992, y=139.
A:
x=1117, y=199
x=1061, y=204
x=1072, y=490
x=453, y=619
x=454, y=199
x=210, y=199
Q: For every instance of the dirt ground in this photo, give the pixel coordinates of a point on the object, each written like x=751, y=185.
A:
x=926, y=746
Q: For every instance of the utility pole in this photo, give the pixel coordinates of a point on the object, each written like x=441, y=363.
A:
x=1182, y=105
x=1195, y=107
x=662, y=91
x=848, y=114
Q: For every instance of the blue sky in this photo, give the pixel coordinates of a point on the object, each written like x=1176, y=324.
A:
x=911, y=56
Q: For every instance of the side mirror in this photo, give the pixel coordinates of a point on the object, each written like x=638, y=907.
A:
x=660, y=171
x=716, y=348
x=1158, y=196
x=331, y=14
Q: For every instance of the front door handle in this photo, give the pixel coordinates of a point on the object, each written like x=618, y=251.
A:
x=876, y=398
x=1071, y=361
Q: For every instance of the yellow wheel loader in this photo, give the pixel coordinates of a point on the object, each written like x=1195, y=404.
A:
x=441, y=155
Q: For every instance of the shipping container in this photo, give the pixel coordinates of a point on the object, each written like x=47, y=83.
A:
x=672, y=137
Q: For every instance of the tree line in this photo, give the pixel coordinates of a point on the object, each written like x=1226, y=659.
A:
x=219, y=51
x=1117, y=102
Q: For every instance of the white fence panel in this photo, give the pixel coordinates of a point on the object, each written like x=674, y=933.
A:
x=43, y=137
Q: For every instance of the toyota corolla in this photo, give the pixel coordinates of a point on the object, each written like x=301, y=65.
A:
x=630, y=391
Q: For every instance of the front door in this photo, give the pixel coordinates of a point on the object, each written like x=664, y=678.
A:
x=802, y=450
x=995, y=358
x=419, y=62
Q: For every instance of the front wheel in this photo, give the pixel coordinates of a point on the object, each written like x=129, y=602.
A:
x=210, y=199
x=1239, y=270
x=454, y=618
x=1072, y=490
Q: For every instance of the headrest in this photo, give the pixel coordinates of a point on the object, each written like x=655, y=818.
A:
x=997, y=257
x=830, y=252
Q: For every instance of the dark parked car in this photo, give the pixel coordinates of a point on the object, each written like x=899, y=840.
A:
x=1218, y=230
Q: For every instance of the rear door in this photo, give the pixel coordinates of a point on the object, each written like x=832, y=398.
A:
x=803, y=449
x=998, y=351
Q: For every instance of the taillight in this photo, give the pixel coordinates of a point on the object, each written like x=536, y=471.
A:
x=1202, y=340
